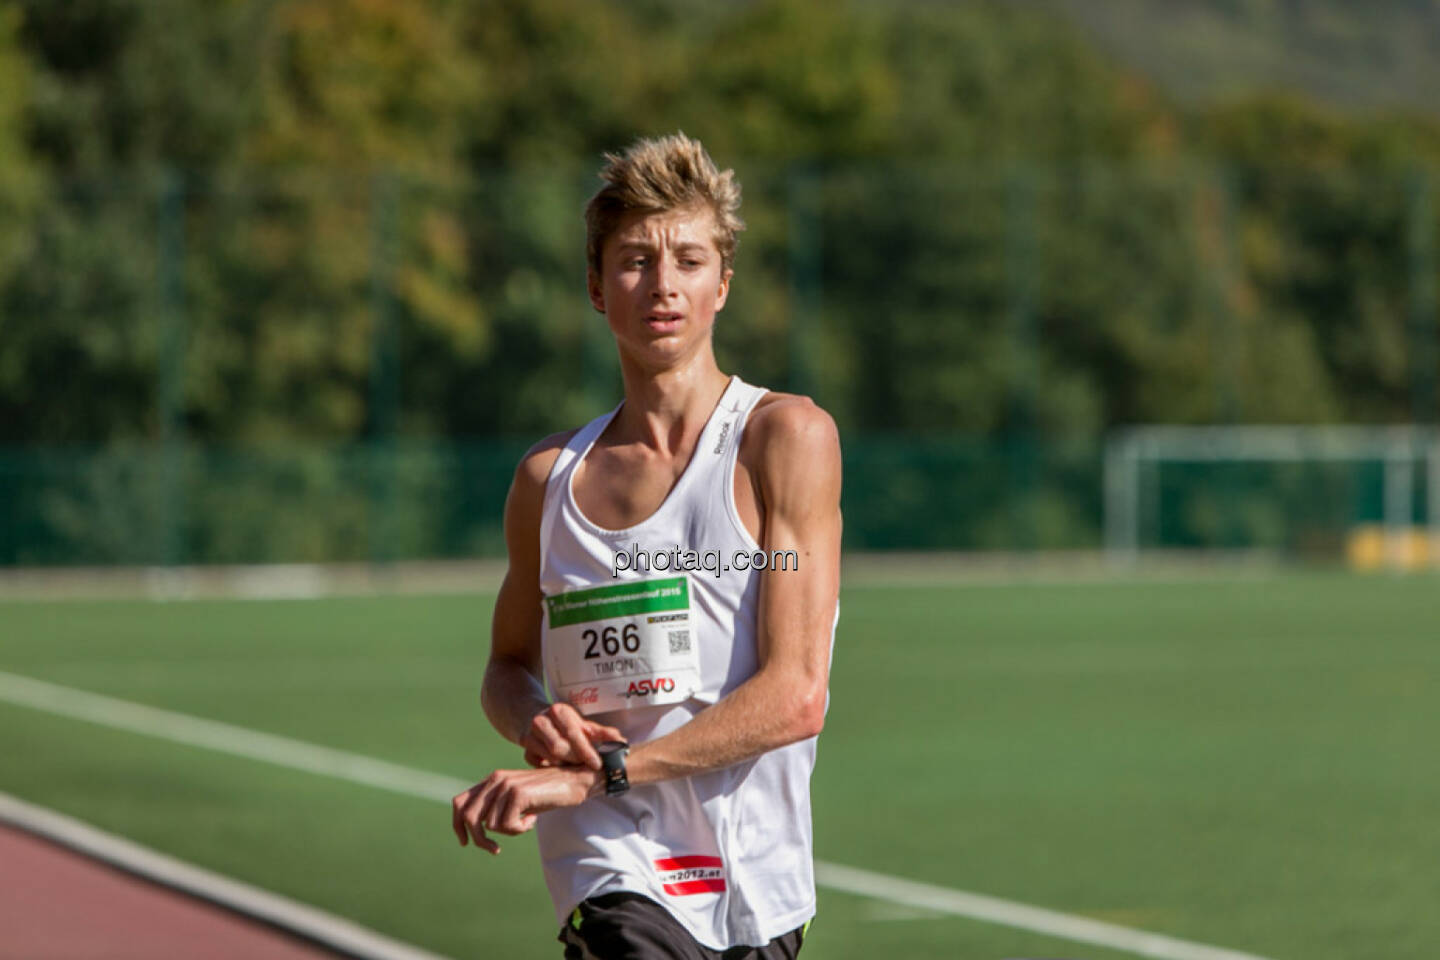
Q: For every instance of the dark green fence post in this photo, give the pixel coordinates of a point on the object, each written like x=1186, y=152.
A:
x=1216, y=259
x=170, y=370
x=1022, y=275
x=1424, y=317
x=806, y=278
x=384, y=370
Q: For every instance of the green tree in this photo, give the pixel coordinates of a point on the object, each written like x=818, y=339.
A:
x=957, y=279
x=20, y=188
x=20, y=181
x=1323, y=207
x=124, y=97
x=341, y=241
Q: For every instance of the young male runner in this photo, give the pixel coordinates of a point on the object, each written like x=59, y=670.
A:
x=669, y=778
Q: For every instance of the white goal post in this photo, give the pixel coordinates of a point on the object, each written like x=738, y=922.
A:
x=1398, y=448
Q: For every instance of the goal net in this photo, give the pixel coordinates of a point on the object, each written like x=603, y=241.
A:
x=1369, y=494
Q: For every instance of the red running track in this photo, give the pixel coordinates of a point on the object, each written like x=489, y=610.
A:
x=59, y=905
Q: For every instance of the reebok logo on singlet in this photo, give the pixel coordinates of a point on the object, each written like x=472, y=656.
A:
x=724, y=435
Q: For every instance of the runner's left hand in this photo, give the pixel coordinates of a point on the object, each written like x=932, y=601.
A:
x=508, y=801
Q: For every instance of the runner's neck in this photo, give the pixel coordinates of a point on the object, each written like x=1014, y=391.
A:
x=663, y=410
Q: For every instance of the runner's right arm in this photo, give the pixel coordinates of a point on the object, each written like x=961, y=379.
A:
x=513, y=694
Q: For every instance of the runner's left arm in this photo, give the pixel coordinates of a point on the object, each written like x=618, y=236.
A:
x=797, y=464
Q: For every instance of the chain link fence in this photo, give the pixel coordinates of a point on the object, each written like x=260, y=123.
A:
x=248, y=370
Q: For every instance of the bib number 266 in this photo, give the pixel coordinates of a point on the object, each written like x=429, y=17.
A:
x=608, y=643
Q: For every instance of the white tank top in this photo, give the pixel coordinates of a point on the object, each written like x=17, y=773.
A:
x=728, y=852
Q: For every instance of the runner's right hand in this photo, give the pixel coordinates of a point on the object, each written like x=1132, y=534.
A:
x=559, y=736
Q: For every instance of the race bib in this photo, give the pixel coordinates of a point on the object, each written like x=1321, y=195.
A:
x=623, y=645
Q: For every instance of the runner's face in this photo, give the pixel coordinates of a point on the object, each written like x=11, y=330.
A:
x=661, y=284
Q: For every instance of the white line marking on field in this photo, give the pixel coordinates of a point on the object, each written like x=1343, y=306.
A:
x=356, y=768
x=225, y=737
x=323, y=928
x=880, y=886
x=883, y=911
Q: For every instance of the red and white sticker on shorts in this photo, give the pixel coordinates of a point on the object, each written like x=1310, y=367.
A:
x=685, y=876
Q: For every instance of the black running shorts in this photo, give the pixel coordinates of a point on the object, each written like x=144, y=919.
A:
x=627, y=926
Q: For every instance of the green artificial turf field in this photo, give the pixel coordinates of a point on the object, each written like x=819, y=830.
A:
x=1243, y=764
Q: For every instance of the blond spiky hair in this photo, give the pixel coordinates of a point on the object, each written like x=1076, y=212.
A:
x=660, y=174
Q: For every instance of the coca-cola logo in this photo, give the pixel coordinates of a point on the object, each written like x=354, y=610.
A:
x=644, y=688
x=585, y=695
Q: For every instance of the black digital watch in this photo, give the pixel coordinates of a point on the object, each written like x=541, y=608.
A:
x=612, y=766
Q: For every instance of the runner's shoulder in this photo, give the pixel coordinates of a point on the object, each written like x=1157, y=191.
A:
x=787, y=428
x=534, y=469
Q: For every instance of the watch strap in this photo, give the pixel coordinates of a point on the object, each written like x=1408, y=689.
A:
x=612, y=766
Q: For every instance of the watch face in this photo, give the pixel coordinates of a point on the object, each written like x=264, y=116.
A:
x=612, y=755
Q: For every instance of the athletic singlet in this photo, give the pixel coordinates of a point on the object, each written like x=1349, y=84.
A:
x=728, y=852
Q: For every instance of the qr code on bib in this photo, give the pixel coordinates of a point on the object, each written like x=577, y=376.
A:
x=679, y=641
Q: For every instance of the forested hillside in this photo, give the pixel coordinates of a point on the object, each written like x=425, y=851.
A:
x=251, y=223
